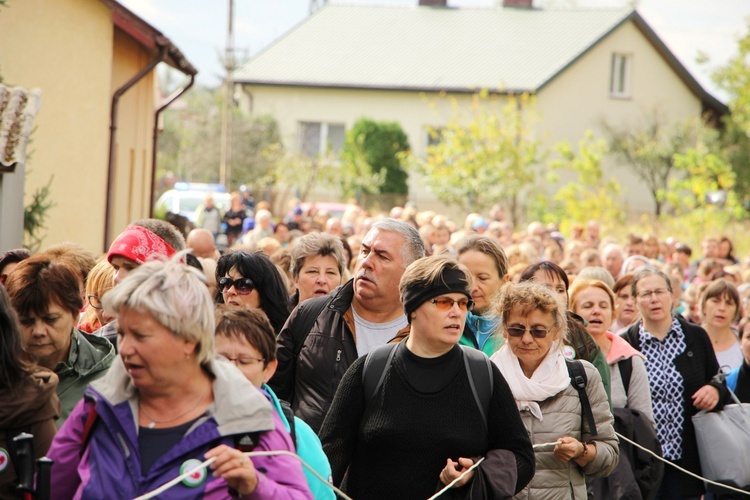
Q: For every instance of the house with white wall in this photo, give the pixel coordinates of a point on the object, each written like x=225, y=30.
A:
x=390, y=63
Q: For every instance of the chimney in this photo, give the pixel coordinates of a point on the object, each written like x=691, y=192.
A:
x=433, y=3
x=518, y=4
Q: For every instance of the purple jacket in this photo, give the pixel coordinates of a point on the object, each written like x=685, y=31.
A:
x=110, y=466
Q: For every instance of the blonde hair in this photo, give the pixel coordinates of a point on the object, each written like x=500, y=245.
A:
x=580, y=285
x=527, y=297
x=176, y=295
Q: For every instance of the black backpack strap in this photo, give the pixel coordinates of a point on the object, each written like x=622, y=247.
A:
x=376, y=365
x=626, y=371
x=479, y=370
x=578, y=379
x=306, y=316
x=286, y=409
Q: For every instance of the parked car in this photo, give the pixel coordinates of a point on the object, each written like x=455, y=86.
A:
x=187, y=197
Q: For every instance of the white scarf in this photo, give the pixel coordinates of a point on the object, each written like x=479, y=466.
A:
x=550, y=377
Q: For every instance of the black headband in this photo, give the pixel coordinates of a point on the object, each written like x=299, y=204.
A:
x=451, y=281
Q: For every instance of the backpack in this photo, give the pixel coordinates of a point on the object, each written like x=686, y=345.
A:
x=307, y=315
x=578, y=379
x=478, y=368
x=638, y=474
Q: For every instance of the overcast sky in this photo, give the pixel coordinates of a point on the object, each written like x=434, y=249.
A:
x=199, y=27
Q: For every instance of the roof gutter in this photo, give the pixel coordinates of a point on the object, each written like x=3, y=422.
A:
x=160, y=57
x=175, y=95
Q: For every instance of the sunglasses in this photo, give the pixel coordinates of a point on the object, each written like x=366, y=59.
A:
x=243, y=286
x=537, y=333
x=446, y=303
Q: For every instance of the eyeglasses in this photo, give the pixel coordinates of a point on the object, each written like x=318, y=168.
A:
x=446, y=303
x=537, y=333
x=243, y=286
x=245, y=360
x=94, y=301
x=646, y=294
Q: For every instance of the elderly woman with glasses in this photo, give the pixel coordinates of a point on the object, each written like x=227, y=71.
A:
x=246, y=338
x=681, y=363
x=532, y=361
x=46, y=294
x=252, y=280
x=167, y=405
x=423, y=415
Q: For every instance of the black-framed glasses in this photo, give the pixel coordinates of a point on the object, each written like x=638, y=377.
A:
x=243, y=286
x=446, y=303
x=517, y=331
x=94, y=301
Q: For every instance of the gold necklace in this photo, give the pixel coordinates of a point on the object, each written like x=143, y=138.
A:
x=155, y=421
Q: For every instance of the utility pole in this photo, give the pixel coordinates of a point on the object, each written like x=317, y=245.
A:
x=225, y=168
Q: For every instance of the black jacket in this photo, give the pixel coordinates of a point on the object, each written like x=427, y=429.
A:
x=312, y=364
x=697, y=365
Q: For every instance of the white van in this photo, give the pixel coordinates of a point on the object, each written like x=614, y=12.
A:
x=187, y=197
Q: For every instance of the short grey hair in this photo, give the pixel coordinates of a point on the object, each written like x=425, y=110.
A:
x=317, y=244
x=176, y=295
x=413, y=248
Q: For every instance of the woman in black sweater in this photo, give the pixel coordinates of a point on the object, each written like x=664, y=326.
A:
x=422, y=425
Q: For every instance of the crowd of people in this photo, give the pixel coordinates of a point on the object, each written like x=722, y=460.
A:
x=398, y=355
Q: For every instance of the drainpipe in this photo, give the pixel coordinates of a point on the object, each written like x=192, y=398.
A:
x=175, y=95
x=113, y=133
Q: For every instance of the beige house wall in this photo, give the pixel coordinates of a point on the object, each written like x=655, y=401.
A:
x=71, y=50
x=65, y=49
x=579, y=99
x=134, y=139
x=573, y=102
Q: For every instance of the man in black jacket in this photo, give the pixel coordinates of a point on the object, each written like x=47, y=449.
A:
x=325, y=335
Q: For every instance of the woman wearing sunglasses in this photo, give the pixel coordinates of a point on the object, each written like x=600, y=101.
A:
x=252, y=280
x=422, y=425
x=532, y=361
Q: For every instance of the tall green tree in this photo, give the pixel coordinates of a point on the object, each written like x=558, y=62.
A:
x=590, y=195
x=649, y=150
x=189, y=145
x=485, y=154
x=733, y=77
x=372, y=159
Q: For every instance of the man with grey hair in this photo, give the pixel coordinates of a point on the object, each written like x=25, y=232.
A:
x=325, y=335
x=613, y=256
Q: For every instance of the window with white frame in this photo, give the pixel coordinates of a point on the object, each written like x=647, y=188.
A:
x=316, y=138
x=620, y=75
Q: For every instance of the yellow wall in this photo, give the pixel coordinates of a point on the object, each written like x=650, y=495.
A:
x=135, y=123
x=575, y=101
x=66, y=49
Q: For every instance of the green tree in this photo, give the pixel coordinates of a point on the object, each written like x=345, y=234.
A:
x=189, y=145
x=484, y=155
x=372, y=159
x=590, y=195
x=297, y=172
x=649, y=150
x=733, y=77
